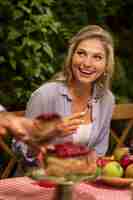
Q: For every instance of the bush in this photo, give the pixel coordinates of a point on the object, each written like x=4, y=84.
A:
x=28, y=32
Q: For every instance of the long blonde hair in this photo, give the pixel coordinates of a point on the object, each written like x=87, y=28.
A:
x=91, y=31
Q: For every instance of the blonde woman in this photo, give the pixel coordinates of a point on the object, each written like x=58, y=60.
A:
x=80, y=94
x=83, y=87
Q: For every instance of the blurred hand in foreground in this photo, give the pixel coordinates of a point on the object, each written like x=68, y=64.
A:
x=34, y=130
x=16, y=125
x=41, y=129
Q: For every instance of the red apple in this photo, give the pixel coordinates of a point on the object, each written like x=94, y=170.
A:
x=126, y=160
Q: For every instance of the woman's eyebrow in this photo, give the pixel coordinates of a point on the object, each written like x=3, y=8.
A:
x=91, y=51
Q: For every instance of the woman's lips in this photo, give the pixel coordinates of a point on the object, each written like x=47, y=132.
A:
x=87, y=72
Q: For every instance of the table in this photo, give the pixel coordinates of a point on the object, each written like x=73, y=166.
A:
x=24, y=188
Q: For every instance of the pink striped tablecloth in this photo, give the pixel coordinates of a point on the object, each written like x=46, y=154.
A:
x=24, y=188
x=83, y=191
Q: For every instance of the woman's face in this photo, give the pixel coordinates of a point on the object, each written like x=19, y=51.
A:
x=89, y=60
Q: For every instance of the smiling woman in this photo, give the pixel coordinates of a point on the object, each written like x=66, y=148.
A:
x=80, y=93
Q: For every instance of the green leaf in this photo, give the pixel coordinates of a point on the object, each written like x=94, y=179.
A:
x=24, y=8
x=2, y=59
x=13, y=63
x=17, y=14
x=13, y=34
x=18, y=78
x=47, y=49
x=55, y=26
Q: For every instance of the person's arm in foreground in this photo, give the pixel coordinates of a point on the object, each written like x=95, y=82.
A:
x=41, y=128
x=17, y=126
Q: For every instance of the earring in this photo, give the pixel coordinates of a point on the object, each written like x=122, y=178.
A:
x=102, y=80
x=105, y=74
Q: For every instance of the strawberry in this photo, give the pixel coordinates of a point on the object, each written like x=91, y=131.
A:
x=48, y=116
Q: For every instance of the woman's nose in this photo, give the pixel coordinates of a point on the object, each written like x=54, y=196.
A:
x=87, y=61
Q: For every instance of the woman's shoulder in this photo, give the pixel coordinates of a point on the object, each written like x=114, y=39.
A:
x=49, y=88
x=108, y=97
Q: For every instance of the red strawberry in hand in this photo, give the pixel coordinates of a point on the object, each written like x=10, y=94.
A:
x=46, y=127
x=48, y=116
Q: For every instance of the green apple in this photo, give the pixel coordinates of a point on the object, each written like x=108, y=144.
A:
x=120, y=152
x=113, y=169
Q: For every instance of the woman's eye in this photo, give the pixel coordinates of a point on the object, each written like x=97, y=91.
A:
x=81, y=53
x=98, y=57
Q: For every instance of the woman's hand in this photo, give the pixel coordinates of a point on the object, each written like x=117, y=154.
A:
x=68, y=125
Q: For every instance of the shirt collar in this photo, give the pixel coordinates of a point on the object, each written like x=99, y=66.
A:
x=64, y=92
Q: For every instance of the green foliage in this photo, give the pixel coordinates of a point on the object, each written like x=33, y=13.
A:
x=34, y=37
x=26, y=47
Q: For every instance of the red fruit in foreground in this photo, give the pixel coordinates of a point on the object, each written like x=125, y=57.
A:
x=101, y=162
x=48, y=116
x=126, y=160
x=46, y=183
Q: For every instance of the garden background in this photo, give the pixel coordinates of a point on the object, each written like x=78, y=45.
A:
x=34, y=38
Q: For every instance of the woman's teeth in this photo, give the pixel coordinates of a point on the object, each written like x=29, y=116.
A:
x=87, y=72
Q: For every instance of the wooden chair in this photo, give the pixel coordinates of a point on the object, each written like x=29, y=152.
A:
x=5, y=147
x=123, y=113
x=12, y=160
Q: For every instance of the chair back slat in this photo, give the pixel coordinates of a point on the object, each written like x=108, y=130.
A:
x=124, y=113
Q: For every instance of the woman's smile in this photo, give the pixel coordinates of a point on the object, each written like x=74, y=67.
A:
x=87, y=71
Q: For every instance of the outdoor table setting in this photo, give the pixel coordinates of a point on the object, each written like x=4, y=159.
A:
x=70, y=178
x=24, y=188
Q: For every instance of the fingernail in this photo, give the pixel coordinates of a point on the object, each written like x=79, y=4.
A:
x=82, y=121
x=82, y=113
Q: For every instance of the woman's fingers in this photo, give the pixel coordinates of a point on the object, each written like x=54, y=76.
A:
x=69, y=126
x=76, y=122
x=78, y=115
x=70, y=130
x=2, y=131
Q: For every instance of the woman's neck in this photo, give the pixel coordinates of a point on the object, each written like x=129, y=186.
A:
x=80, y=90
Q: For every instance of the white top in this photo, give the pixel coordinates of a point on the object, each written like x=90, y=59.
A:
x=2, y=108
x=83, y=134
